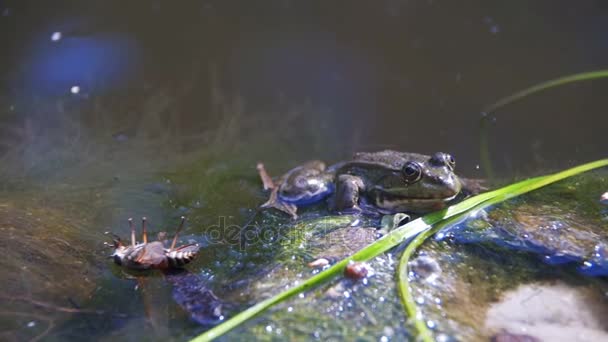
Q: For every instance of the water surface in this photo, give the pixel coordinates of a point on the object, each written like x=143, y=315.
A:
x=111, y=110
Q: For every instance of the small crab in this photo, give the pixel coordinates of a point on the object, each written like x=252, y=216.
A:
x=153, y=255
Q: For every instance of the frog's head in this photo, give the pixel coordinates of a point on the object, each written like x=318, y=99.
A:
x=422, y=184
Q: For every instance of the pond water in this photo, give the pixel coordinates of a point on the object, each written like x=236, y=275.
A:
x=113, y=110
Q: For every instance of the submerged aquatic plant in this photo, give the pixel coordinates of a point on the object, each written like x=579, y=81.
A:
x=421, y=229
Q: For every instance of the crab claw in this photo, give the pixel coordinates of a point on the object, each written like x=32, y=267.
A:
x=116, y=242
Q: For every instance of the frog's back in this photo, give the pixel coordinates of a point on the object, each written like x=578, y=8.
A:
x=388, y=158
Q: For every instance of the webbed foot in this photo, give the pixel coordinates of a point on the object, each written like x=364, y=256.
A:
x=274, y=201
x=346, y=199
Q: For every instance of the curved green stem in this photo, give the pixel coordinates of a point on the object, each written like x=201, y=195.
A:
x=484, y=154
x=584, y=76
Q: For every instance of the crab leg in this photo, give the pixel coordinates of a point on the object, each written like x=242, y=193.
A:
x=181, y=225
x=144, y=232
x=132, y=232
x=115, y=239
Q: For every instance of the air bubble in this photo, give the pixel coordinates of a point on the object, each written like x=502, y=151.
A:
x=56, y=36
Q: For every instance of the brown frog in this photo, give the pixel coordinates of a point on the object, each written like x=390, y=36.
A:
x=384, y=182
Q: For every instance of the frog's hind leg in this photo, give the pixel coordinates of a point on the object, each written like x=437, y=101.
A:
x=266, y=179
x=471, y=186
x=346, y=199
x=274, y=201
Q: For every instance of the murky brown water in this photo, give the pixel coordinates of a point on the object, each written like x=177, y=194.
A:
x=411, y=75
x=112, y=109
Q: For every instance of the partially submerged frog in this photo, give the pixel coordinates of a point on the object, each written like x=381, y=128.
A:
x=384, y=182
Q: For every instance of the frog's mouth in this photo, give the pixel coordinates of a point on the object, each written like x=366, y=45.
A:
x=396, y=196
x=393, y=203
x=417, y=199
x=447, y=199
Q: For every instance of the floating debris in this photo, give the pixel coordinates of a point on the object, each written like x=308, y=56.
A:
x=321, y=262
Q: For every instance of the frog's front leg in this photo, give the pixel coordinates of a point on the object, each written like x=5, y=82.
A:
x=275, y=202
x=348, y=190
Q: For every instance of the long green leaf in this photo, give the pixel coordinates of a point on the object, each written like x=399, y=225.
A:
x=484, y=150
x=585, y=76
x=380, y=246
x=497, y=196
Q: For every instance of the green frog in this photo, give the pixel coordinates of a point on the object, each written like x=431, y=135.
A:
x=384, y=182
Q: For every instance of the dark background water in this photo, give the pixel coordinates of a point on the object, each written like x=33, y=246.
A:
x=115, y=109
x=409, y=75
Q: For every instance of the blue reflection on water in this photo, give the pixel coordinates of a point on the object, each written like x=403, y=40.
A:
x=592, y=263
x=93, y=63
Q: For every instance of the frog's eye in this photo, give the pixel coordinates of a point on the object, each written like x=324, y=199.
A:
x=443, y=159
x=451, y=161
x=412, y=172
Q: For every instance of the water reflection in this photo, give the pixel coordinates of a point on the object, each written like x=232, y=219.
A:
x=94, y=64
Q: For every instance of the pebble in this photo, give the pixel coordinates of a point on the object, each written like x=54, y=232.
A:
x=355, y=270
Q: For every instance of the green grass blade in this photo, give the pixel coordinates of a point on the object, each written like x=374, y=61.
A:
x=484, y=150
x=405, y=294
x=387, y=242
x=495, y=197
x=585, y=76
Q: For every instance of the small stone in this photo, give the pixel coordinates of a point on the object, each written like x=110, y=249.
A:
x=506, y=336
x=426, y=267
x=355, y=270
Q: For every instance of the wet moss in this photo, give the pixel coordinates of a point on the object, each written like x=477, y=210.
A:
x=48, y=268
